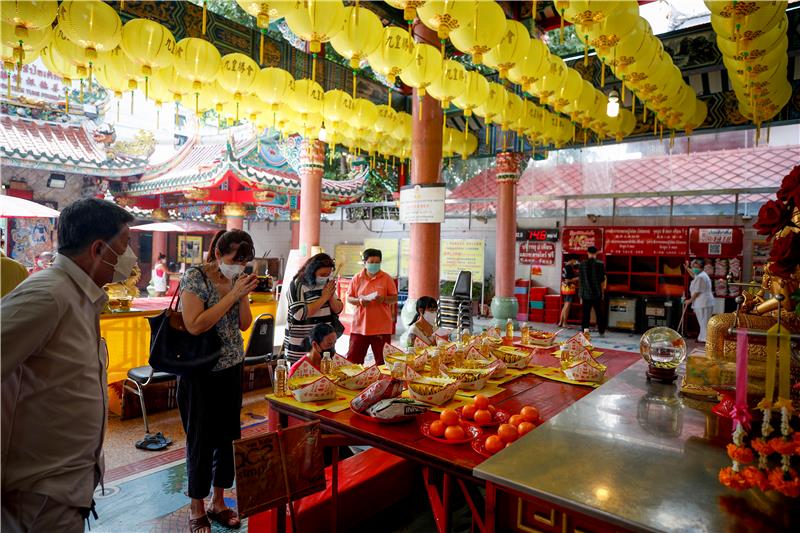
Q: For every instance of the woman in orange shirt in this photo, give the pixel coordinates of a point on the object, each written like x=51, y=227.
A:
x=374, y=295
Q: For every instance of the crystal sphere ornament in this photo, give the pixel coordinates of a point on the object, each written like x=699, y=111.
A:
x=664, y=349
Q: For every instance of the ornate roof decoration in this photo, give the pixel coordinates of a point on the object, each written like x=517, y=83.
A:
x=205, y=166
x=62, y=147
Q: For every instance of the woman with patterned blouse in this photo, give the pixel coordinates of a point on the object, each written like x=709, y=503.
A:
x=215, y=295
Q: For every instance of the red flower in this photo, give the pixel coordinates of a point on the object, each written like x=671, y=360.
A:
x=741, y=454
x=732, y=479
x=772, y=217
x=762, y=446
x=755, y=478
x=786, y=483
x=785, y=255
x=790, y=188
x=782, y=445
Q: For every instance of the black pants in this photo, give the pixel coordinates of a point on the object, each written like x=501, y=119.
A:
x=210, y=404
x=599, y=310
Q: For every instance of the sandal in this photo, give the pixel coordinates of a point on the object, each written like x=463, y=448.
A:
x=199, y=524
x=154, y=442
x=226, y=518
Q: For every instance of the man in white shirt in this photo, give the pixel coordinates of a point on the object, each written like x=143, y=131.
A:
x=702, y=297
x=54, y=389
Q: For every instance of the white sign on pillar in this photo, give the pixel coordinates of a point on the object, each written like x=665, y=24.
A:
x=422, y=204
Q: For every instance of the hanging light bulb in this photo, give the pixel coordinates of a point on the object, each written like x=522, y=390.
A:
x=612, y=108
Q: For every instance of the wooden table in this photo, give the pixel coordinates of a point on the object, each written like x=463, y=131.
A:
x=439, y=461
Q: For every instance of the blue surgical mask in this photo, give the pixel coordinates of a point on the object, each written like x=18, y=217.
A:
x=697, y=270
x=373, y=268
x=322, y=280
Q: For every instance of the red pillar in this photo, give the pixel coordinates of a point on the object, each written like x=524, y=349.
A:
x=504, y=304
x=312, y=158
x=159, y=246
x=426, y=160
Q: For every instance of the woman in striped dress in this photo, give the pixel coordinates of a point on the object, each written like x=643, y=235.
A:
x=312, y=300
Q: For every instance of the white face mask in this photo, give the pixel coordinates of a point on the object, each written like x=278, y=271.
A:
x=124, y=266
x=322, y=281
x=430, y=317
x=230, y=271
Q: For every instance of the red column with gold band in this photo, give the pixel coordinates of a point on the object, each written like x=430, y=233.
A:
x=504, y=304
x=312, y=164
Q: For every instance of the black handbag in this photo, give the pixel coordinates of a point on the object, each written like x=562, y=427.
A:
x=176, y=351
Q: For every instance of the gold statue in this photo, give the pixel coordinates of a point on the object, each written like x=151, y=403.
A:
x=121, y=295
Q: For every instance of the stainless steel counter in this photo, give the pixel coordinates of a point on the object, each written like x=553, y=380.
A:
x=632, y=454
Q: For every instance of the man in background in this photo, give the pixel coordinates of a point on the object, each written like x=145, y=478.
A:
x=54, y=386
x=592, y=287
x=12, y=273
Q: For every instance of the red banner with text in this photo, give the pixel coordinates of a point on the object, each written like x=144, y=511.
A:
x=577, y=240
x=646, y=241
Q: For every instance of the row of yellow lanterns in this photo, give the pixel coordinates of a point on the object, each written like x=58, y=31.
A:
x=624, y=42
x=752, y=37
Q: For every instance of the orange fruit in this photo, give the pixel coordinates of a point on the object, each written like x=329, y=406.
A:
x=525, y=427
x=483, y=417
x=529, y=413
x=455, y=433
x=507, y=433
x=449, y=417
x=481, y=402
x=494, y=444
x=468, y=412
x=492, y=409
x=516, y=420
x=437, y=428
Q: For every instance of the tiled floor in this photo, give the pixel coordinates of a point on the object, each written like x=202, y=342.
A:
x=145, y=491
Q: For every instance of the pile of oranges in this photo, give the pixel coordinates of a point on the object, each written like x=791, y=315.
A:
x=479, y=411
x=517, y=426
x=448, y=426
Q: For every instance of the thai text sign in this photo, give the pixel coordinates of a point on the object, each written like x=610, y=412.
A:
x=461, y=254
x=646, y=241
x=537, y=253
x=578, y=240
x=422, y=204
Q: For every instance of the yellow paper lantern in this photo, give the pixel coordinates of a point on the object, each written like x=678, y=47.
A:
x=476, y=91
x=365, y=113
x=307, y=98
x=510, y=50
x=698, y=118
x=409, y=7
x=71, y=52
x=735, y=19
x=61, y=67
x=553, y=77
x=402, y=130
x=110, y=76
x=213, y=96
x=262, y=11
x=450, y=84
x=584, y=103
x=512, y=109
x=566, y=96
x=482, y=32
x=117, y=64
x=395, y=52
x=274, y=87
x=149, y=44
x=337, y=106
x=197, y=60
x=37, y=38
x=493, y=105
x=28, y=15
x=316, y=21
x=755, y=71
x=237, y=74
x=529, y=70
x=91, y=24
x=425, y=67
x=11, y=58
x=387, y=118
x=176, y=84
x=445, y=16
x=359, y=36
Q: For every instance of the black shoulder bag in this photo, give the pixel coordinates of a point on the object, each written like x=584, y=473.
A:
x=176, y=351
